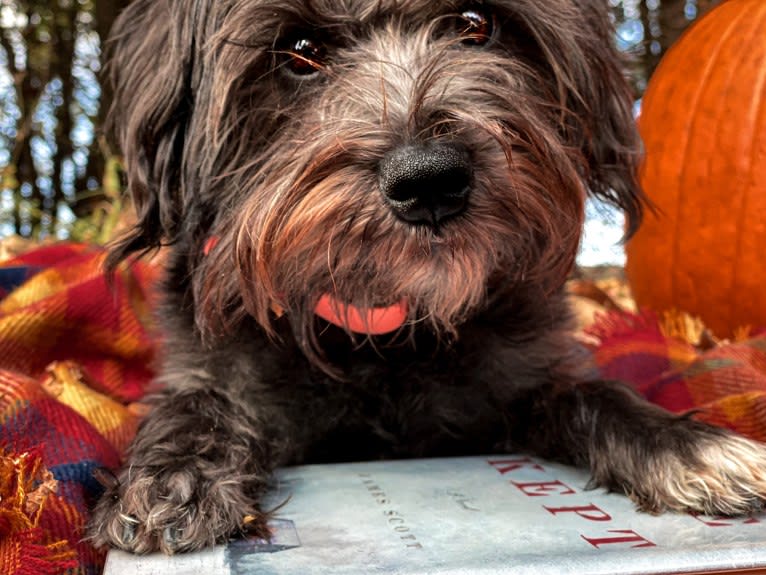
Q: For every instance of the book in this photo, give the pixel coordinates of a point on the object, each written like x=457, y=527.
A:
x=510, y=514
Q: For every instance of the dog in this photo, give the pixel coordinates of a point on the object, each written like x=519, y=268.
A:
x=371, y=208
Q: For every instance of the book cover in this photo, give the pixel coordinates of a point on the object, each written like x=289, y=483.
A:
x=474, y=515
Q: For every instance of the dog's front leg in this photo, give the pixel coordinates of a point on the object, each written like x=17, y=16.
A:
x=662, y=461
x=194, y=472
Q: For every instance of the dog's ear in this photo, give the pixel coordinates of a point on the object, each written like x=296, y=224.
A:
x=150, y=63
x=603, y=103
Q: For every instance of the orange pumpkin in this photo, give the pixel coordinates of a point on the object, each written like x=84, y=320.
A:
x=703, y=122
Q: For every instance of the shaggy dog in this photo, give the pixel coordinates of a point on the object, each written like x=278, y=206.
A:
x=372, y=207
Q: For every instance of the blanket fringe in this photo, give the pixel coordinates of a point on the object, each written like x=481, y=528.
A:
x=670, y=324
x=25, y=485
x=617, y=324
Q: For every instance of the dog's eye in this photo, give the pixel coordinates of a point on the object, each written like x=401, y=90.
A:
x=305, y=56
x=476, y=26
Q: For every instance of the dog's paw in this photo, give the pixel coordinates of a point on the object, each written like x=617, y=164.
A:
x=184, y=509
x=727, y=477
x=695, y=467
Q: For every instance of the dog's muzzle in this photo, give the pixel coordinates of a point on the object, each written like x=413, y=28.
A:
x=427, y=183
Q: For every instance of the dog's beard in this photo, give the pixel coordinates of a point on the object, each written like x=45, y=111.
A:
x=325, y=230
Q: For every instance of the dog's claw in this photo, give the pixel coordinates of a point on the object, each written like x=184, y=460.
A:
x=171, y=537
x=129, y=525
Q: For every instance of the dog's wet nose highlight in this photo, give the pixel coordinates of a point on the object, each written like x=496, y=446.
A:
x=427, y=183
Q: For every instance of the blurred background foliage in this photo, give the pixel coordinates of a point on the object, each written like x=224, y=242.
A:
x=60, y=177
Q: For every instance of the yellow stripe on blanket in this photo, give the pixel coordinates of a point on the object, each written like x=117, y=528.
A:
x=67, y=383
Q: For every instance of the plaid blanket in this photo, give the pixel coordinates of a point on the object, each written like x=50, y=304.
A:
x=76, y=356
x=725, y=382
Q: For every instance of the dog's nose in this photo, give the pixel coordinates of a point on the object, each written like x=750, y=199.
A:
x=426, y=183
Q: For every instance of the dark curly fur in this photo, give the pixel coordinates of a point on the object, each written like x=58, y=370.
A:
x=287, y=149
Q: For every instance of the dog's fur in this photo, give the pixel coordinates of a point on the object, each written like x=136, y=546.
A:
x=266, y=164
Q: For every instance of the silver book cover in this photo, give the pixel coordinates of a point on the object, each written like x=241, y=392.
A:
x=508, y=514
